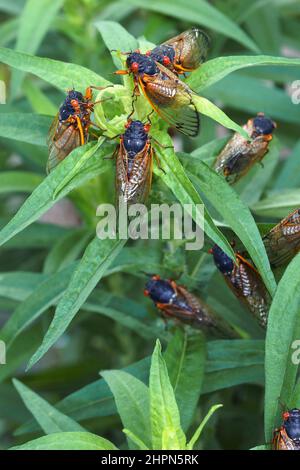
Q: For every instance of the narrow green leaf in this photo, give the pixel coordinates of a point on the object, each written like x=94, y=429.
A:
x=283, y=325
x=185, y=359
x=25, y=127
x=278, y=203
x=49, y=418
x=136, y=440
x=18, y=181
x=133, y=403
x=34, y=22
x=42, y=197
x=61, y=75
x=96, y=259
x=116, y=38
x=289, y=176
x=39, y=101
x=199, y=12
x=164, y=414
x=199, y=430
x=214, y=70
x=238, y=217
x=68, y=441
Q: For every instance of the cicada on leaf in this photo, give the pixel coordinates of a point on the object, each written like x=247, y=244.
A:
x=283, y=241
x=168, y=96
x=134, y=157
x=239, y=155
x=287, y=437
x=183, y=53
x=176, y=302
x=70, y=126
x=245, y=282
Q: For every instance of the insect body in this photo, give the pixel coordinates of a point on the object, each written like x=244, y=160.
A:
x=134, y=163
x=168, y=96
x=283, y=241
x=183, y=53
x=245, y=282
x=175, y=301
x=239, y=155
x=69, y=128
x=287, y=437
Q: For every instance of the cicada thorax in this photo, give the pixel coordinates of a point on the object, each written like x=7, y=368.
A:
x=246, y=283
x=69, y=128
x=283, y=241
x=287, y=437
x=239, y=154
x=183, y=53
x=172, y=99
x=176, y=302
x=134, y=164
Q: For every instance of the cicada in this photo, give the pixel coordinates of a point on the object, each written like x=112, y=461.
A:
x=134, y=157
x=283, y=241
x=239, y=154
x=183, y=53
x=245, y=282
x=175, y=301
x=70, y=127
x=287, y=437
x=172, y=99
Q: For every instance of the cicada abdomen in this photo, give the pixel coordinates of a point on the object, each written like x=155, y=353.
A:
x=245, y=282
x=239, y=155
x=283, y=241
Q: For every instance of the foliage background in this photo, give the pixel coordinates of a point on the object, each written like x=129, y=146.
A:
x=117, y=327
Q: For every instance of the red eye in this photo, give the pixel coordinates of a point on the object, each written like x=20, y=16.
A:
x=148, y=53
x=285, y=415
x=147, y=127
x=146, y=293
x=166, y=60
x=74, y=103
x=134, y=67
x=128, y=123
x=156, y=277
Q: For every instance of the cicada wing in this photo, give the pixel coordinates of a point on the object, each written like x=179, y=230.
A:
x=191, y=48
x=234, y=159
x=172, y=100
x=133, y=186
x=66, y=139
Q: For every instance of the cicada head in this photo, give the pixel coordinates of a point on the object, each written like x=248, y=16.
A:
x=135, y=137
x=71, y=105
x=163, y=54
x=262, y=126
x=140, y=64
x=159, y=290
x=291, y=423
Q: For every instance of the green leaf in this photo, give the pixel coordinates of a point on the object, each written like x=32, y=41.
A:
x=238, y=217
x=201, y=13
x=34, y=22
x=214, y=70
x=49, y=418
x=116, y=38
x=177, y=180
x=136, y=440
x=39, y=101
x=283, y=327
x=278, y=204
x=206, y=107
x=68, y=441
x=96, y=259
x=164, y=414
x=289, y=176
x=61, y=75
x=185, y=359
x=133, y=403
x=18, y=181
x=19, y=285
x=25, y=127
x=199, y=430
x=42, y=197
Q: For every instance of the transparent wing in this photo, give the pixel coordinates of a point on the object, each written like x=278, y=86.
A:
x=191, y=48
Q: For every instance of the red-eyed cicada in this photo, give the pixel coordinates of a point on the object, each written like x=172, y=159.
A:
x=239, y=154
x=287, y=437
x=172, y=99
x=70, y=126
x=134, y=157
x=245, y=282
x=283, y=241
x=183, y=53
x=176, y=302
